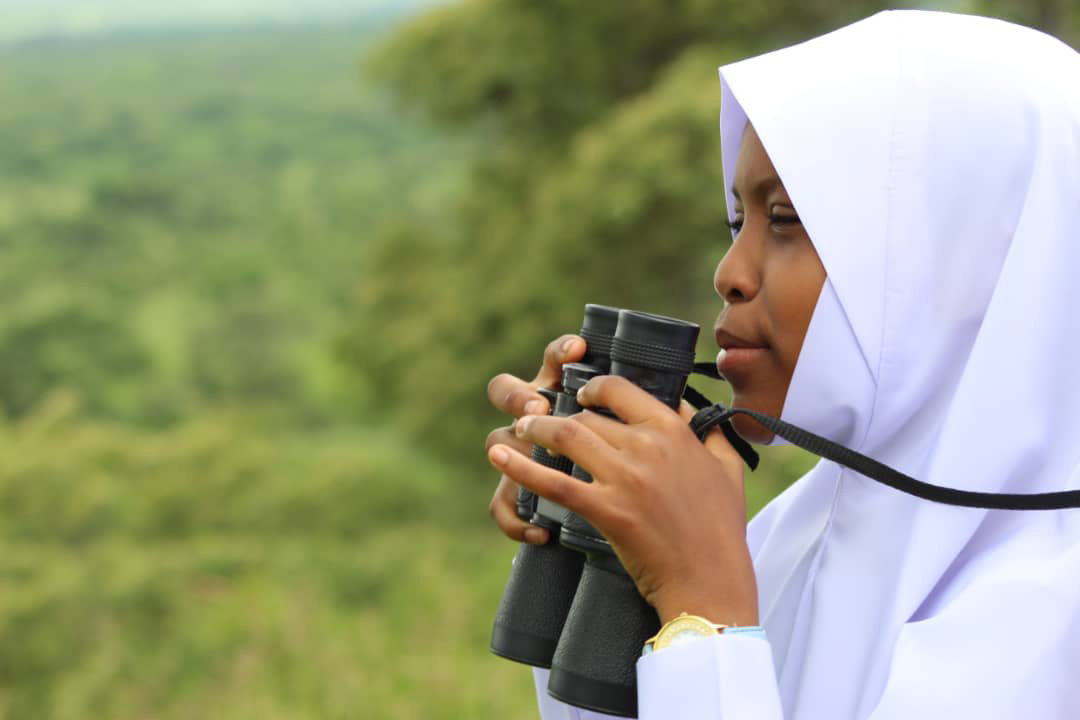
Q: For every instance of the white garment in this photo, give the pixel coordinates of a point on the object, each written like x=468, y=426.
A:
x=935, y=162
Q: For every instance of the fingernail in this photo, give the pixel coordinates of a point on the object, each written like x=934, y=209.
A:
x=499, y=456
x=532, y=407
x=522, y=425
x=535, y=536
x=581, y=394
x=567, y=344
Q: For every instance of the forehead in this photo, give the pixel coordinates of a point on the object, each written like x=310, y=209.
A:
x=754, y=170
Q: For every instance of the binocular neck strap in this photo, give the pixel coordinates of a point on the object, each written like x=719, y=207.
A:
x=746, y=450
x=717, y=414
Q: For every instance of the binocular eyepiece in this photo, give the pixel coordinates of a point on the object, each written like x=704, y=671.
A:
x=569, y=605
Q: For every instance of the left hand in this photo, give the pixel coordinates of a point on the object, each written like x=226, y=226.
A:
x=673, y=508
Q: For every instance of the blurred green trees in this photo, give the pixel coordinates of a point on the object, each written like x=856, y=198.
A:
x=597, y=179
x=195, y=517
x=212, y=571
x=182, y=218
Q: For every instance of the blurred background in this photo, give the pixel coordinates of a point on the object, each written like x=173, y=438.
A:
x=258, y=260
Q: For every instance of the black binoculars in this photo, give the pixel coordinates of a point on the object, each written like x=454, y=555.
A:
x=569, y=605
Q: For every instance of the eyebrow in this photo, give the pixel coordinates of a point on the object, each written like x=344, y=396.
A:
x=764, y=186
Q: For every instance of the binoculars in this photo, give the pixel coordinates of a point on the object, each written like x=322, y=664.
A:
x=569, y=605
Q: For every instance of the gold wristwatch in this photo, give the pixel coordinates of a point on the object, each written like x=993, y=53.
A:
x=680, y=629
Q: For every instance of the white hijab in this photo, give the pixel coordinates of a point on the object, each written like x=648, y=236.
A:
x=935, y=162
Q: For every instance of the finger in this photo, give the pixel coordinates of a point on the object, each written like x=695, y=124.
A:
x=503, y=509
x=506, y=436
x=613, y=432
x=566, y=349
x=718, y=445
x=556, y=486
x=570, y=438
x=514, y=396
x=632, y=404
x=715, y=442
x=686, y=411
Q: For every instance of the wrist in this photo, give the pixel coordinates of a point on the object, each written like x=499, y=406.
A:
x=719, y=608
x=685, y=628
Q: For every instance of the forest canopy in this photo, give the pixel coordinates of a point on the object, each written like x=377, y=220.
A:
x=596, y=179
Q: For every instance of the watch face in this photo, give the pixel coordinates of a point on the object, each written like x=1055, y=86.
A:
x=684, y=628
x=684, y=635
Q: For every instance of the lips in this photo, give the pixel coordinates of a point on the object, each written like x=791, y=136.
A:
x=727, y=340
x=736, y=352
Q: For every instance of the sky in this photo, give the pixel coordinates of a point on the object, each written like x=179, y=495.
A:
x=23, y=19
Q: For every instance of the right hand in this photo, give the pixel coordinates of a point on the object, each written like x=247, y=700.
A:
x=518, y=397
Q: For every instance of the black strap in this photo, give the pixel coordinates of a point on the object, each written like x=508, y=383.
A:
x=717, y=414
x=746, y=450
x=708, y=369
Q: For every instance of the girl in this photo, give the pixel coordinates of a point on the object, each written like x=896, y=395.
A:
x=904, y=195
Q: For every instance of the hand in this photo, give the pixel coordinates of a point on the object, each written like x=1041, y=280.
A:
x=517, y=397
x=673, y=508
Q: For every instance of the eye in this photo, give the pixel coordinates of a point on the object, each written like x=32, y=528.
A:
x=783, y=221
x=735, y=225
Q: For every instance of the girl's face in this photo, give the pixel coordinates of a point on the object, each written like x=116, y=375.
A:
x=770, y=280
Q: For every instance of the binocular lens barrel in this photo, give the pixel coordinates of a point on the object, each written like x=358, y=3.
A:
x=598, y=329
x=544, y=578
x=595, y=659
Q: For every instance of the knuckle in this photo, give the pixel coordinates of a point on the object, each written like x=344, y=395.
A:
x=495, y=509
x=669, y=428
x=599, y=384
x=498, y=435
x=587, y=418
x=671, y=424
x=566, y=434
x=636, y=476
x=601, y=387
x=644, y=443
x=615, y=383
x=553, y=353
x=514, y=401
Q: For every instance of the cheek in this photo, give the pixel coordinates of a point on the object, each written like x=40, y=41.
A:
x=793, y=296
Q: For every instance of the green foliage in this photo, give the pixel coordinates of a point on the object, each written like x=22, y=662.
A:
x=207, y=475
x=182, y=216
x=542, y=71
x=191, y=522
x=1057, y=17
x=74, y=347
x=211, y=571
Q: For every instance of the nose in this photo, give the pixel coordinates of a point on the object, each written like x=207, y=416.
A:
x=738, y=276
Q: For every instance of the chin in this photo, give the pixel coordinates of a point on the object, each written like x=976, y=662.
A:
x=751, y=430
x=748, y=428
